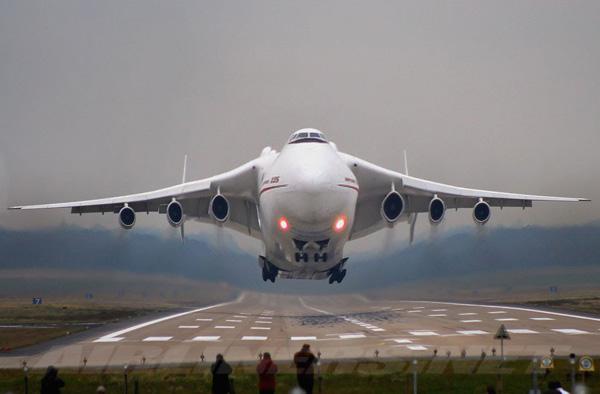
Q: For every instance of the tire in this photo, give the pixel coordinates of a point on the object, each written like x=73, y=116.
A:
x=341, y=276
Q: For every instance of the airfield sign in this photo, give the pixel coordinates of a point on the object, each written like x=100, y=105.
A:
x=547, y=363
x=502, y=334
x=586, y=364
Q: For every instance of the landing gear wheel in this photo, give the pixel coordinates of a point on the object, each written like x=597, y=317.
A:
x=341, y=275
x=332, y=278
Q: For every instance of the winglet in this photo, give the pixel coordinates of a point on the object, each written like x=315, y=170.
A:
x=184, y=168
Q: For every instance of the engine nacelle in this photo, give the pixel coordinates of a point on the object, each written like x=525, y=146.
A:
x=218, y=208
x=482, y=212
x=127, y=217
x=392, y=206
x=175, y=213
x=437, y=210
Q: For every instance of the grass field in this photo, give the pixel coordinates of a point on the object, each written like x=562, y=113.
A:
x=435, y=376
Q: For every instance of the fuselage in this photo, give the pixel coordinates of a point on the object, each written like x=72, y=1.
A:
x=307, y=200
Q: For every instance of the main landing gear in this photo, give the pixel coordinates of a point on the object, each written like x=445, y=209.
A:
x=269, y=271
x=338, y=273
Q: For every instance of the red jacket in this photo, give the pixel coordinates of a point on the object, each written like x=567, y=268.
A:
x=266, y=371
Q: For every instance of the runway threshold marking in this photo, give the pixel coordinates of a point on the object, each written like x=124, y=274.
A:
x=253, y=338
x=189, y=327
x=507, y=319
x=306, y=338
x=470, y=321
x=541, y=318
x=402, y=341
x=206, y=338
x=512, y=308
x=570, y=331
x=424, y=333
x=438, y=315
x=473, y=332
x=416, y=347
x=157, y=339
x=260, y=328
x=522, y=331
x=113, y=336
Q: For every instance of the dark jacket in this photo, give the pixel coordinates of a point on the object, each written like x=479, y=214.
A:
x=266, y=371
x=220, y=371
x=304, y=361
x=51, y=383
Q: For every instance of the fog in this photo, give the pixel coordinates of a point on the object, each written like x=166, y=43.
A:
x=105, y=98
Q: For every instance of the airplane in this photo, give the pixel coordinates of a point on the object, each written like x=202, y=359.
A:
x=304, y=203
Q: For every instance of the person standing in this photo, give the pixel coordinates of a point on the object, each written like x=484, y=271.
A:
x=266, y=370
x=51, y=383
x=305, y=372
x=220, y=370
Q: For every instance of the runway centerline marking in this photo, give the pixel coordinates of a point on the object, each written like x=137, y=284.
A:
x=307, y=338
x=260, y=328
x=115, y=334
x=253, y=338
x=225, y=327
x=189, y=327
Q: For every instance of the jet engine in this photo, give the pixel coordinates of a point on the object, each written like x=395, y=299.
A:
x=437, y=209
x=175, y=213
x=481, y=212
x=127, y=217
x=218, y=208
x=392, y=206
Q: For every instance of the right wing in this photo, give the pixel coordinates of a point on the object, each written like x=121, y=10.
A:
x=239, y=186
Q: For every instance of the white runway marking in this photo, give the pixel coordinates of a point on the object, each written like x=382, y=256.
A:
x=378, y=329
x=512, y=308
x=470, y=321
x=204, y=319
x=233, y=321
x=419, y=307
x=402, y=341
x=496, y=312
x=522, y=331
x=473, y=332
x=157, y=339
x=225, y=327
x=416, y=347
x=398, y=309
x=303, y=338
x=239, y=317
x=189, y=326
x=253, y=338
x=467, y=314
x=570, y=331
x=417, y=311
x=424, y=333
x=265, y=318
x=263, y=322
x=260, y=328
x=439, y=310
x=107, y=339
x=162, y=319
x=438, y=315
x=507, y=319
x=541, y=318
x=352, y=336
x=206, y=339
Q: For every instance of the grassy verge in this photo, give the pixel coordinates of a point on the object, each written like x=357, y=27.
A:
x=435, y=376
x=589, y=305
x=24, y=325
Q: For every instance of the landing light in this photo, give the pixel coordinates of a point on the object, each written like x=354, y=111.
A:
x=284, y=225
x=340, y=224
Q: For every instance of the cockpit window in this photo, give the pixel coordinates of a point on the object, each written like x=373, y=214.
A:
x=299, y=137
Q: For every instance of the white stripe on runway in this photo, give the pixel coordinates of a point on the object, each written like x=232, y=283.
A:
x=303, y=338
x=204, y=319
x=162, y=319
x=225, y=327
x=496, y=312
x=467, y=314
x=438, y=315
x=240, y=317
x=419, y=310
x=260, y=328
x=233, y=321
x=263, y=322
x=541, y=318
x=522, y=331
x=423, y=333
x=439, y=310
x=507, y=319
x=108, y=339
x=473, y=332
x=157, y=339
x=402, y=341
x=253, y=338
x=206, y=339
x=570, y=331
x=416, y=347
x=377, y=329
x=189, y=326
x=470, y=321
x=352, y=336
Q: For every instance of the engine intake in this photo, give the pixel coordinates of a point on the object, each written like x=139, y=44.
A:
x=437, y=210
x=219, y=208
x=482, y=212
x=175, y=213
x=392, y=206
x=127, y=217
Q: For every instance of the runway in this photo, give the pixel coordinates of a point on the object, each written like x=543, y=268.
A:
x=339, y=327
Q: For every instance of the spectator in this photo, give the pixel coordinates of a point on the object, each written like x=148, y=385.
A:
x=304, y=361
x=266, y=370
x=51, y=383
x=220, y=372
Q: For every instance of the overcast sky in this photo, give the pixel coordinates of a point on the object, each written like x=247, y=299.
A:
x=104, y=98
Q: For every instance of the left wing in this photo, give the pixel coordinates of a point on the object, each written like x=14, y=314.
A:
x=375, y=182
x=239, y=186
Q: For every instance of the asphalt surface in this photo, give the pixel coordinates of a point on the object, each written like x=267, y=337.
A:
x=339, y=327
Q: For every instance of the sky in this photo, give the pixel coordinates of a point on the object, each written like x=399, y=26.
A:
x=105, y=98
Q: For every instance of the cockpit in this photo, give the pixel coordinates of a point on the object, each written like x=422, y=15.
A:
x=307, y=135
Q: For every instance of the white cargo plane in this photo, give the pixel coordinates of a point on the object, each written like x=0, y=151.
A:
x=305, y=203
